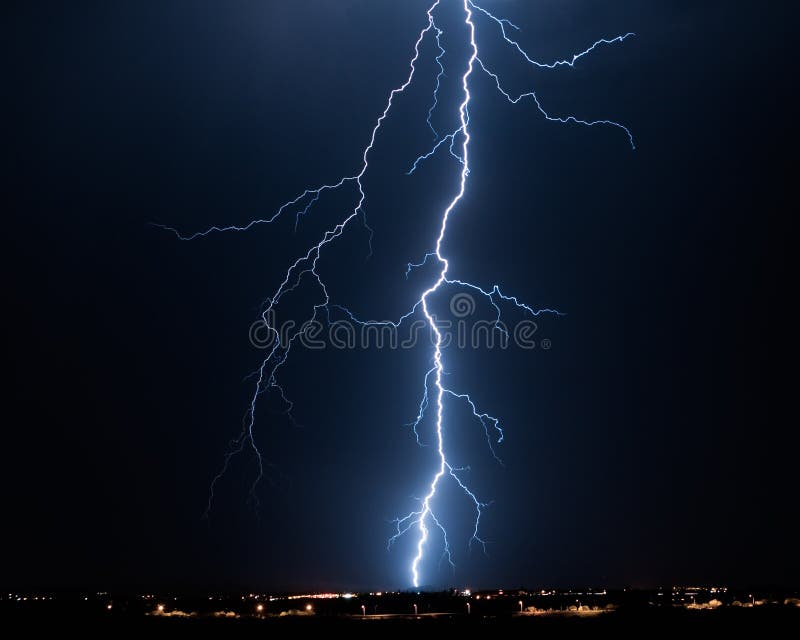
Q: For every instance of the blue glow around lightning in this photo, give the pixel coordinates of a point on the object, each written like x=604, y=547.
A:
x=423, y=520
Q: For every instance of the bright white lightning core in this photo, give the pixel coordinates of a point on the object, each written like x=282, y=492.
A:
x=424, y=519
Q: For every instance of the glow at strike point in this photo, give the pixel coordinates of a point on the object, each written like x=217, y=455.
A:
x=422, y=521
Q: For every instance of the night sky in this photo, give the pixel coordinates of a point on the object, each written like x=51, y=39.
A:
x=654, y=443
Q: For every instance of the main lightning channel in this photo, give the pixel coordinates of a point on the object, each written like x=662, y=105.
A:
x=437, y=354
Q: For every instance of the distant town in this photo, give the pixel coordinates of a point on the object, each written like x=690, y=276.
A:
x=399, y=605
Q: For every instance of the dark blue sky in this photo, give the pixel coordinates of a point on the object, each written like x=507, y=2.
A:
x=653, y=443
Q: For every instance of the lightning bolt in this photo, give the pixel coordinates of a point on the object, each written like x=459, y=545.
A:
x=423, y=520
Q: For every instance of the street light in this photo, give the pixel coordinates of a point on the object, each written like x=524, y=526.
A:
x=520, y=606
x=363, y=610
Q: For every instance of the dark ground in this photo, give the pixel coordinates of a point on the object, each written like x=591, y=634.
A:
x=763, y=623
x=439, y=613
